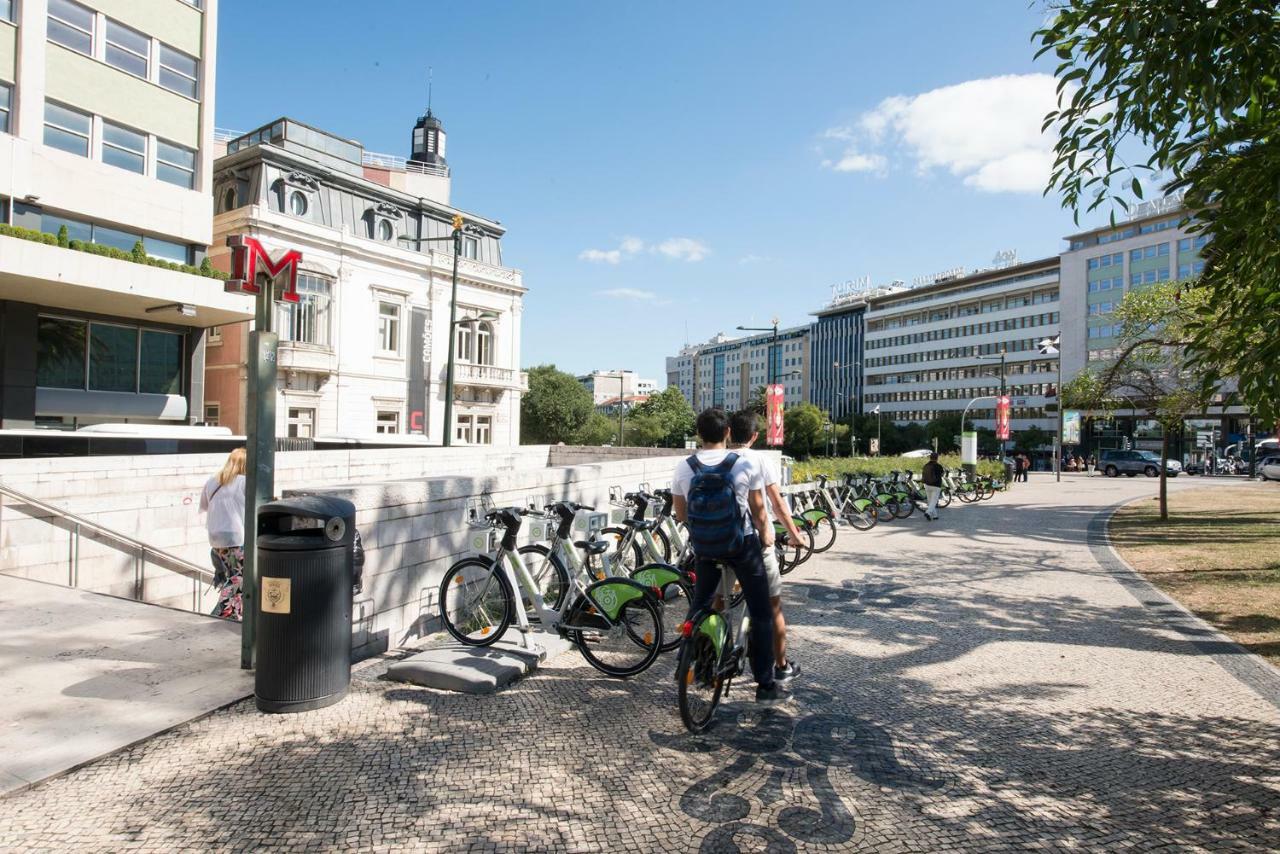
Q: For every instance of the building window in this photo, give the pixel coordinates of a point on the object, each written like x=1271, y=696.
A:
x=484, y=344
x=127, y=49
x=229, y=199
x=66, y=129
x=212, y=412
x=60, y=353
x=6, y=10
x=389, y=327
x=176, y=164
x=178, y=72
x=307, y=320
x=6, y=97
x=160, y=363
x=384, y=229
x=474, y=430
x=301, y=423
x=297, y=203
x=113, y=357
x=483, y=434
x=71, y=25
x=213, y=337
x=169, y=250
x=124, y=148
x=388, y=422
x=462, y=346
x=470, y=247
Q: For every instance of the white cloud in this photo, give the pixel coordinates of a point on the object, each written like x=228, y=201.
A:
x=629, y=294
x=679, y=248
x=986, y=132
x=609, y=256
x=683, y=249
x=753, y=259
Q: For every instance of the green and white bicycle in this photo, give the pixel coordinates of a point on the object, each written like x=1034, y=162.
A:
x=714, y=650
x=615, y=623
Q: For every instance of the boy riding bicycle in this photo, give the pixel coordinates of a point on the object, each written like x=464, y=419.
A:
x=721, y=487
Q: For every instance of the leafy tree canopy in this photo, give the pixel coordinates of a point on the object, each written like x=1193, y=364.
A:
x=555, y=407
x=670, y=414
x=802, y=428
x=1195, y=86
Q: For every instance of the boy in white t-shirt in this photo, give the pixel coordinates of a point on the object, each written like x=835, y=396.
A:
x=744, y=429
x=747, y=563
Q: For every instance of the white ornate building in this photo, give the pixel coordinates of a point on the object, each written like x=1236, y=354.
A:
x=364, y=352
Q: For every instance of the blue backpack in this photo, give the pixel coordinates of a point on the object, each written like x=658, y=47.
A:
x=715, y=522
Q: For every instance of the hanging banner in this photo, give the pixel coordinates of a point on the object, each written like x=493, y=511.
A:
x=1071, y=427
x=416, y=365
x=1002, y=417
x=773, y=411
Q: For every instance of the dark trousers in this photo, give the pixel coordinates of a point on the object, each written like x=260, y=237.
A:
x=748, y=566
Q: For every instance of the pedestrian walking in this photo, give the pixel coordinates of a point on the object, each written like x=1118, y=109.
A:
x=716, y=494
x=222, y=499
x=1092, y=464
x=931, y=474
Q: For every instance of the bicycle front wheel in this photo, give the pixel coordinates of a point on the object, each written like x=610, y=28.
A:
x=549, y=573
x=630, y=646
x=475, y=602
x=621, y=561
x=944, y=498
x=698, y=684
x=824, y=534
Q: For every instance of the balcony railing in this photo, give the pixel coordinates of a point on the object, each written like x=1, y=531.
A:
x=488, y=375
x=391, y=161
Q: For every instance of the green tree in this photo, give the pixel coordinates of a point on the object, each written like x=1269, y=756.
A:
x=672, y=412
x=1194, y=85
x=1151, y=365
x=1032, y=439
x=599, y=429
x=555, y=407
x=946, y=429
x=756, y=403
x=645, y=431
x=802, y=429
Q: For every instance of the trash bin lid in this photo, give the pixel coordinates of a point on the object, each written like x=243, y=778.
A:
x=336, y=516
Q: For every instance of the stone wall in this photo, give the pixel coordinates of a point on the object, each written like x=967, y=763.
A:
x=156, y=499
x=572, y=455
x=413, y=530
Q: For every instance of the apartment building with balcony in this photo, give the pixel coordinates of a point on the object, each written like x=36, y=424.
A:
x=726, y=372
x=922, y=346
x=365, y=350
x=106, y=133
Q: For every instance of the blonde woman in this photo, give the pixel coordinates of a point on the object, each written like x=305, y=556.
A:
x=223, y=501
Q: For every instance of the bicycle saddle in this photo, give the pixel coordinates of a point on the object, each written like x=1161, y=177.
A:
x=639, y=524
x=593, y=547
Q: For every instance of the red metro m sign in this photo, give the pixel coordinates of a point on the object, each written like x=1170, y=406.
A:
x=248, y=259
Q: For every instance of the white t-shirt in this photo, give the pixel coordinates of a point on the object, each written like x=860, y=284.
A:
x=746, y=477
x=225, y=507
x=768, y=475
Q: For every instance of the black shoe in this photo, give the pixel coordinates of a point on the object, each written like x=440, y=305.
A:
x=775, y=693
x=784, y=674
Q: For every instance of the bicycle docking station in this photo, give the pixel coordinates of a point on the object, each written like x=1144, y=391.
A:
x=451, y=666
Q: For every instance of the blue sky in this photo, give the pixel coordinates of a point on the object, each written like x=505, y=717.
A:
x=664, y=167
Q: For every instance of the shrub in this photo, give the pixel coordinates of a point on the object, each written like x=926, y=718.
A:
x=835, y=467
x=137, y=256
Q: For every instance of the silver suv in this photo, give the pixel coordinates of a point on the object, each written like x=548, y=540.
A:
x=1132, y=463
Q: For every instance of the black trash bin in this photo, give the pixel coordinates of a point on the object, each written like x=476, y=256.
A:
x=303, y=641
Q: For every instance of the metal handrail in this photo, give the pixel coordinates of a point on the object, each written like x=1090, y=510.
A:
x=159, y=557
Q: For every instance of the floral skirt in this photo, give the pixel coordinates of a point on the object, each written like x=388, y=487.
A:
x=228, y=580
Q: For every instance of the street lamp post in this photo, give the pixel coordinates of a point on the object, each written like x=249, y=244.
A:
x=773, y=347
x=456, y=236
x=1003, y=390
x=853, y=409
x=622, y=395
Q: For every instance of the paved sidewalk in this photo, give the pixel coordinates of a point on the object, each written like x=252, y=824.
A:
x=978, y=683
x=85, y=675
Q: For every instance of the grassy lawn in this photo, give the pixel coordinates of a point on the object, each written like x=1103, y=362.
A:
x=1219, y=555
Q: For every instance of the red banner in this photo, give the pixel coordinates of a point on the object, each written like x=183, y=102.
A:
x=1002, y=417
x=773, y=410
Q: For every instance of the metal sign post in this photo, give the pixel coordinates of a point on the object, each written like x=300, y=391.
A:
x=253, y=271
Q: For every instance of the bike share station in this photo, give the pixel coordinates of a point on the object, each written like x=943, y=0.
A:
x=470, y=669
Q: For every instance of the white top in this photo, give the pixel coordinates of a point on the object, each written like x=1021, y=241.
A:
x=225, y=506
x=746, y=477
x=768, y=475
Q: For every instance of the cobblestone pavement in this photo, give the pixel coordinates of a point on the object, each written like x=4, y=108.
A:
x=987, y=682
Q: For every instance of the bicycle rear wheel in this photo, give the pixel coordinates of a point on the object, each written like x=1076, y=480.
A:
x=698, y=686
x=621, y=563
x=549, y=573
x=475, y=602
x=944, y=498
x=627, y=648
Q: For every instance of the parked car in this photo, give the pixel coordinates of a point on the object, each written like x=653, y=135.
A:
x=1133, y=463
x=1269, y=467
